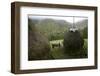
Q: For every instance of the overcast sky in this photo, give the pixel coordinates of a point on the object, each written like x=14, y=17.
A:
x=70, y=19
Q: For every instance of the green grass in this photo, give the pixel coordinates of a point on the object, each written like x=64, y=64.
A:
x=57, y=53
x=85, y=43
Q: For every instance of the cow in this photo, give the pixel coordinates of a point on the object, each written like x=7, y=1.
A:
x=55, y=45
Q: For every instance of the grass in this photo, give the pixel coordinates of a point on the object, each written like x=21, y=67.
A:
x=57, y=52
x=85, y=43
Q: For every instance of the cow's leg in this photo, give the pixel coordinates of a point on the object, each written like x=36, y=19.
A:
x=52, y=46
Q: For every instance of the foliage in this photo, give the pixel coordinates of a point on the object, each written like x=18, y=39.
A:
x=85, y=33
x=54, y=29
x=38, y=45
x=73, y=42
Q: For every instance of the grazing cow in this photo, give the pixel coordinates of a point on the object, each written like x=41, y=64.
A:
x=55, y=45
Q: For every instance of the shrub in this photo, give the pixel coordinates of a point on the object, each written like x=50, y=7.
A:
x=38, y=46
x=73, y=42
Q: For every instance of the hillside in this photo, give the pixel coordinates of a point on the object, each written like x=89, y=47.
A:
x=82, y=24
x=54, y=28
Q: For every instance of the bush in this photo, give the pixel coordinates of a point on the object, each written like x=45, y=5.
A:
x=38, y=46
x=73, y=42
